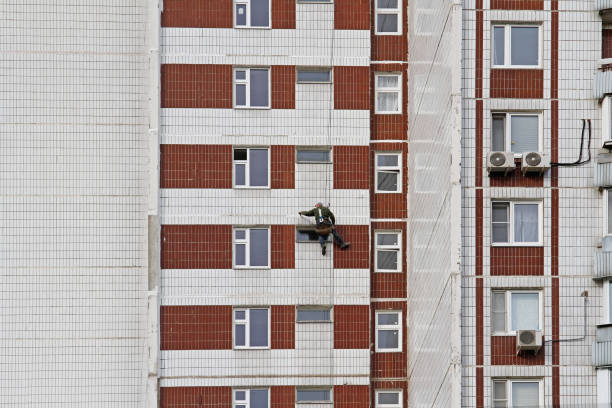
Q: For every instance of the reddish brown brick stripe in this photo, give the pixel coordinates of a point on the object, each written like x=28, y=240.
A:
x=517, y=261
x=517, y=83
x=503, y=352
x=196, y=327
x=517, y=4
x=351, y=326
x=351, y=87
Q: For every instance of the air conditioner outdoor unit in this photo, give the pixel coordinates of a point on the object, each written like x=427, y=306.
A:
x=535, y=162
x=528, y=340
x=500, y=162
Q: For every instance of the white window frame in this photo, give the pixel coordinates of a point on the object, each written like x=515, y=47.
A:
x=397, y=90
x=246, y=168
x=248, y=87
x=508, y=129
x=384, y=391
x=398, y=327
x=511, y=242
x=313, y=148
x=328, y=308
x=248, y=15
x=397, y=11
x=246, y=322
x=247, y=391
x=606, y=192
x=606, y=317
x=388, y=169
x=606, y=119
x=331, y=395
x=314, y=69
x=397, y=248
x=509, y=382
x=508, y=45
x=246, y=242
x=508, y=309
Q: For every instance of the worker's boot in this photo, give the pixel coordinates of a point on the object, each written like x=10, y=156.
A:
x=345, y=245
x=323, y=250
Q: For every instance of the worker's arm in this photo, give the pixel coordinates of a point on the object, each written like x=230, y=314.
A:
x=310, y=213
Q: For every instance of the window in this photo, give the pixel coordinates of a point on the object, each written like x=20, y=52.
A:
x=314, y=75
x=606, y=119
x=252, y=13
x=516, y=223
x=251, y=399
x=313, y=315
x=388, y=331
x=604, y=387
x=515, y=132
x=251, y=88
x=313, y=395
x=517, y=393
x=516, y=46
x=388, y=94
x=251, y=168
x=389, y=399
x=388, y=17
x=251, y=248
x=388, y=172
x=514, y=310
x=251, y=328
x=607, y=303
x=607, y=212
x=388, y=251
x=304, y=155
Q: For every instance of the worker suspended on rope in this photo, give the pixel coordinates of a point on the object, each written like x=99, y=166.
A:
x=325, y=225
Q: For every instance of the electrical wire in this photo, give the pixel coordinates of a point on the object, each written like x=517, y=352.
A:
x=579, y=161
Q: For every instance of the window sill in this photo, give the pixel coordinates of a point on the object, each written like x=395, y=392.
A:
x=387, y=351
x=386, y=271
x=252, y=28
x=517, y=67
x=251, y=268
x=252, y=108
x=250, y=348
x=314, y=322
x=251, y=188
x=388, y=113
x=387, y=192
x=313, y=162
x=517, y=245
x=384, y=33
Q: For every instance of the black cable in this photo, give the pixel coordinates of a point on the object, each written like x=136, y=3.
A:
x=580, y=161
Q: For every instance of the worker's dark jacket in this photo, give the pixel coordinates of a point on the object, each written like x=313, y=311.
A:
x=320, y=214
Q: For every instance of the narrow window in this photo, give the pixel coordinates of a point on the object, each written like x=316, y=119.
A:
x=498, y=133
x=388, y=17
x=516, y=46
x=500, y=222
x=516, y=223
x=608, y=204
x=388, y=172
x=251, y=248
x=251, y=328
x=251, y=399
x=388, y=93
x=313, y=75
x=252, y=13
x=306, y=155
x=388, y=251
x=313, y=315
x=313, y=395
x=388, y=331
x=389, y=399
x=251, y=168
x=523, y=128
x=500, y=396
x=523, y=312
x=251, y=88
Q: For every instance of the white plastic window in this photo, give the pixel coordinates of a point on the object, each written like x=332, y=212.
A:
x=252, y=13
x=388, y=94
x=389, y=399
x=388, y=172
x=388, y=251
x=388, y=331
x=249, y=398
x=252, y=88
x=313, y=75
x=514, y=310
x=251, y=168
x=313, y=395
x=251, y=248
x=313, y=315
x=607, y=204
x=517, y=393
x=515, y=223
x=251, y=328
x=388, y=17
x=516, y=46
x=306, y=155
x=606, y=119
x=516, y=132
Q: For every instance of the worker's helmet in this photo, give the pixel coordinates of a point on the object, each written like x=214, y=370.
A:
x=319, y=204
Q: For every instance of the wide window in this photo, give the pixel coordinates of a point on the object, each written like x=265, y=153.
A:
x=388, y=172
x=389, y=399
x=251, y=168
x=251, y=248
x=251, y=399
x=388, y=93
x=252, y=13
x=514, y=310
x=313, y=75
x=387, y=255
x=322, y=395
x=388, y=17
x=306, y=155
x=515, y=132
x=516, y=46
x=313, y=315
x=517, y=393
x=516, y=223
x=388, y=331
x=251, y=328
x=251, y=88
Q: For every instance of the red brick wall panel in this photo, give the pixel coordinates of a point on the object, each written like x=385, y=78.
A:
x=196, y=86
x=385, y=205
x=351, y=169
x=503, y=352
x=351, y=327
x=351, y=87
x=195, y=166
x=516, y=178
x=283, y=86
x=351, y=396
x=282, y=332
x=383, y=284
x=517, y=261
x=517, y=4
x=196, y=247
x=283, y=14
x=606, y=43
x=357, y=256
x=352, y=14
x=282, y=246
x=198, y=13
x=196, y=327
x=389, y=365
x=390, y=47
x=517, y=83
x=282, y=397
x=195, y=397
x=282, y=163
